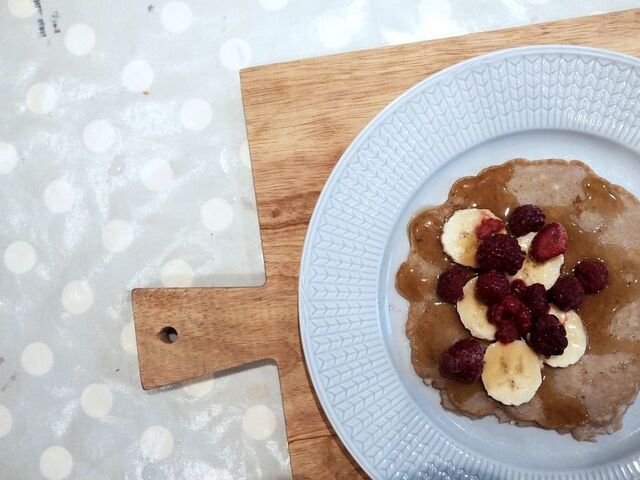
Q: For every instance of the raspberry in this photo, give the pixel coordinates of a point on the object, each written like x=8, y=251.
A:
x=491, y=287
x=507, y=332
x=488, y=227
x=549, y=242
x=592, y=274
x=525, y=219
x=450, y=284
x=535, y=297
x=463, y=361
x=511, y=310
x=517, y=287
x=548, y=336
x=567, y=293
x=500, y=252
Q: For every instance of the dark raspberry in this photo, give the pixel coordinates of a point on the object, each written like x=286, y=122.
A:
x=500, y=252
x=450, y=284
x=567, y=293
x=517, y=287
x=511, y=310
x=535, y=297
x=525, y=219
x=507, y=332
x=549, y=242
x=491, y=287
x=592, y=274
x=548, y=336
x=488, y=227
x=463, y=361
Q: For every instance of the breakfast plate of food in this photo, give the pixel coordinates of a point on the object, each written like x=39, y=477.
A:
x=469, y=296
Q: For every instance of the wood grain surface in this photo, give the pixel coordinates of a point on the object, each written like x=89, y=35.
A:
x=300, y=118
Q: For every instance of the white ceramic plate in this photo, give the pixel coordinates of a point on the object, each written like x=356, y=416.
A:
x=538, y=102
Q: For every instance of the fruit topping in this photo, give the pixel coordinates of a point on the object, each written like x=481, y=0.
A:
x=510, y=310
x=535, y=297
x=592, y=274
x=517, y=287
x=548, y=336
x=500, y=252
x=549, y=242
x=525, y=219
x=460, y=234
x=488, y=226
x=463, y=361
x=451, y=283
x=491, y=287
x=567, y=294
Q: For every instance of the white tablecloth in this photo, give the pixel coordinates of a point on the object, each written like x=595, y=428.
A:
x=124, y=163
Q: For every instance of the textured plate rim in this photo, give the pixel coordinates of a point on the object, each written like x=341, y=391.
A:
x=361, y=137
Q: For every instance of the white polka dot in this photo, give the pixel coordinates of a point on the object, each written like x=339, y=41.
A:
x=157, y=175
x=59, y=196
x=117, y=235
x=218, y=474
x=274, y=4
x=199, y=389
x=56, y=463
x=42, y=98
x=77, y=297
x=176, y=273
x=98, y=136
x=259, y=422
x=21, y=8
x=96, y=400
x=216, y=214
x=176, y=16
x=137, y=76
x=196, y=114
x=37, y=359
x=334, y=32
x=80, y=39
x=8, y=158
x=245, y=156
x=235, y=54
x=20, y=257
x=6, y=421
x=156, y=443
x=128, y=338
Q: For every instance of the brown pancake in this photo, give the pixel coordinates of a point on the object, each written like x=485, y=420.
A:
x=602, y=220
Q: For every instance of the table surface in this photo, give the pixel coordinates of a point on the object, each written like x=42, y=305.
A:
x=124, y=163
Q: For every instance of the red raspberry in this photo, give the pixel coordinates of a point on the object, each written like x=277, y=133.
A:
x=525, y=219
x=507, y=332
x=488, y=227
x=548, y=336
x=500, y=252
x=592, y=274
x=535, y=297
x=511, y=310
x=491, y=287
x=450, y=283
x=567, y=293
x=463, y=361
x=517, y=287
x=549, y=242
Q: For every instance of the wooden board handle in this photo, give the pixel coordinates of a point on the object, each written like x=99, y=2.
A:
x=241, y=326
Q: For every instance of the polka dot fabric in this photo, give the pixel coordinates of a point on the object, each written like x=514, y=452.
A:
x=124, y=163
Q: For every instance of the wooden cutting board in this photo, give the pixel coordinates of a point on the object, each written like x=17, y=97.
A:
x=300, y=118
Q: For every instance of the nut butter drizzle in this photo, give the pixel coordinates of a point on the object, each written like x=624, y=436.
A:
x=433, y=326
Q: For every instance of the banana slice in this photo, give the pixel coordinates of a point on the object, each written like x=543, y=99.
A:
x=512, y=372
x=532, y=272
x=473, y=313
x=459, y=239
x=576, y=335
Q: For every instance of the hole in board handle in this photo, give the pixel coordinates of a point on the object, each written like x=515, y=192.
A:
x=168, y=335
